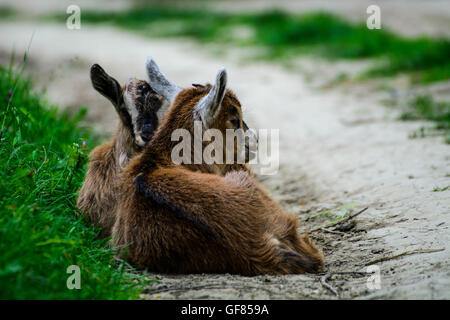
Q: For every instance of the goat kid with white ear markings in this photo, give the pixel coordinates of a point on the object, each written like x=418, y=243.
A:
x=231, y=118
x=183, y=218
x=137, y=105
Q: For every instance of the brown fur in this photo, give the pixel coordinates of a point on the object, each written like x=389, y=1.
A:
x=182, y=218
x=97, y=199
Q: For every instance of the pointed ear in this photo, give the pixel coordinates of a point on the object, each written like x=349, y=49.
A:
x=209, y=106
x=159, y=82
x=108, y=87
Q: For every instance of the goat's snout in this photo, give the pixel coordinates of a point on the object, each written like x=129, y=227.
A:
x=147, y=132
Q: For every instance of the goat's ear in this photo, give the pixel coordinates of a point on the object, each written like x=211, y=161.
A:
x=209, y=106
x=106, y=85
x=110, y=88
x=159, y=82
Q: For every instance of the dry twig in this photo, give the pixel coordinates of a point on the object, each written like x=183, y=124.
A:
x=406, y=253
x=323, y=281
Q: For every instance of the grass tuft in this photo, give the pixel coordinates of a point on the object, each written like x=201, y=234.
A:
x=424, y=107
x=437, y=189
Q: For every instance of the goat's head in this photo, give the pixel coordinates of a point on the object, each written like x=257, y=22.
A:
x=136, y=104
x=214, y=105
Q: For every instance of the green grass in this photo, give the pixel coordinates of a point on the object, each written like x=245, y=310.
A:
x=6, y=13
x=328, y=217
x=424, y=107
x=437, y=189
x=283, y=35
x=333, y=213
x=42, y=165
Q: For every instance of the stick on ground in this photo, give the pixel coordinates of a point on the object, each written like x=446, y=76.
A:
x=406, y=253
x=323, y=281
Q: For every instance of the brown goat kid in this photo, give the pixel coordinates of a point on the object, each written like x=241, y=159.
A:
x=137, y=105
x=174, y=219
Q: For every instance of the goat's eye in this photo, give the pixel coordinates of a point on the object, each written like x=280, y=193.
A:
x=142, y=87
x=235, y=122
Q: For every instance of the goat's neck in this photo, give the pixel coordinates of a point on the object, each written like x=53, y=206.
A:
x=124, y=148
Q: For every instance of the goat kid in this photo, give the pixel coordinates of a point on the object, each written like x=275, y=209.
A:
x=183, y=219
x=137, y=105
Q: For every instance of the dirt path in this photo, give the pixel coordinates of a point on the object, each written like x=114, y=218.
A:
x=337, y=147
